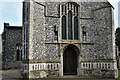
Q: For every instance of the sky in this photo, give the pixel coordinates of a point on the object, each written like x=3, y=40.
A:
x=11, y=12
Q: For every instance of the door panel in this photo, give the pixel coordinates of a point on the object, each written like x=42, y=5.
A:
x=70, y=62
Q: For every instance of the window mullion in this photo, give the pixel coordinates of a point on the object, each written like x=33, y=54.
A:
x=67, y=24
x=73, y=27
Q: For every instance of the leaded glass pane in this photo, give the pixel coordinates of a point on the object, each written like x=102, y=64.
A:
x=75, y=28
x=64, y=27
x=70, y=25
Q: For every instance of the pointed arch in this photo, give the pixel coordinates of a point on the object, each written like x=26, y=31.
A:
x=70, y=60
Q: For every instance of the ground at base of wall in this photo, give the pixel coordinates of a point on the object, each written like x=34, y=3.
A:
x=56, y=79
x=11, y=74
x=16, y=75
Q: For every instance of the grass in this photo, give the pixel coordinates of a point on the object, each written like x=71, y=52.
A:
x=118, y=75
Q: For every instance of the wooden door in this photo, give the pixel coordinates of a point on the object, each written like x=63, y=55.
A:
x=70, y=62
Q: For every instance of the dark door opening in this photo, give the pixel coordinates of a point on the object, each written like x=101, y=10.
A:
x=70, y=59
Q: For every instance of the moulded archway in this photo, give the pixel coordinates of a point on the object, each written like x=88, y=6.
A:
x=70, y=60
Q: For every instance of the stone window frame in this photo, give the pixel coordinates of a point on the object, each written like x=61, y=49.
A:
x=18, y=46
x=64, y=9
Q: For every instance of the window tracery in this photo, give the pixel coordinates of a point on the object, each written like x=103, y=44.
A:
x=69, y=21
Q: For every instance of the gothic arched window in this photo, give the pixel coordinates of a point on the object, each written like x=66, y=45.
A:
x=69, y=21
x=18, y=52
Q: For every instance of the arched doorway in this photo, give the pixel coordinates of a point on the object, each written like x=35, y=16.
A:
x=70, y=61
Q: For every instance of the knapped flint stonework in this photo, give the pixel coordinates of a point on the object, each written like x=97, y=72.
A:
x=95, y=54
x=12, y=35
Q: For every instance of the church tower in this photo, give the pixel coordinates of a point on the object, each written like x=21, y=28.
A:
x=70, y=38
